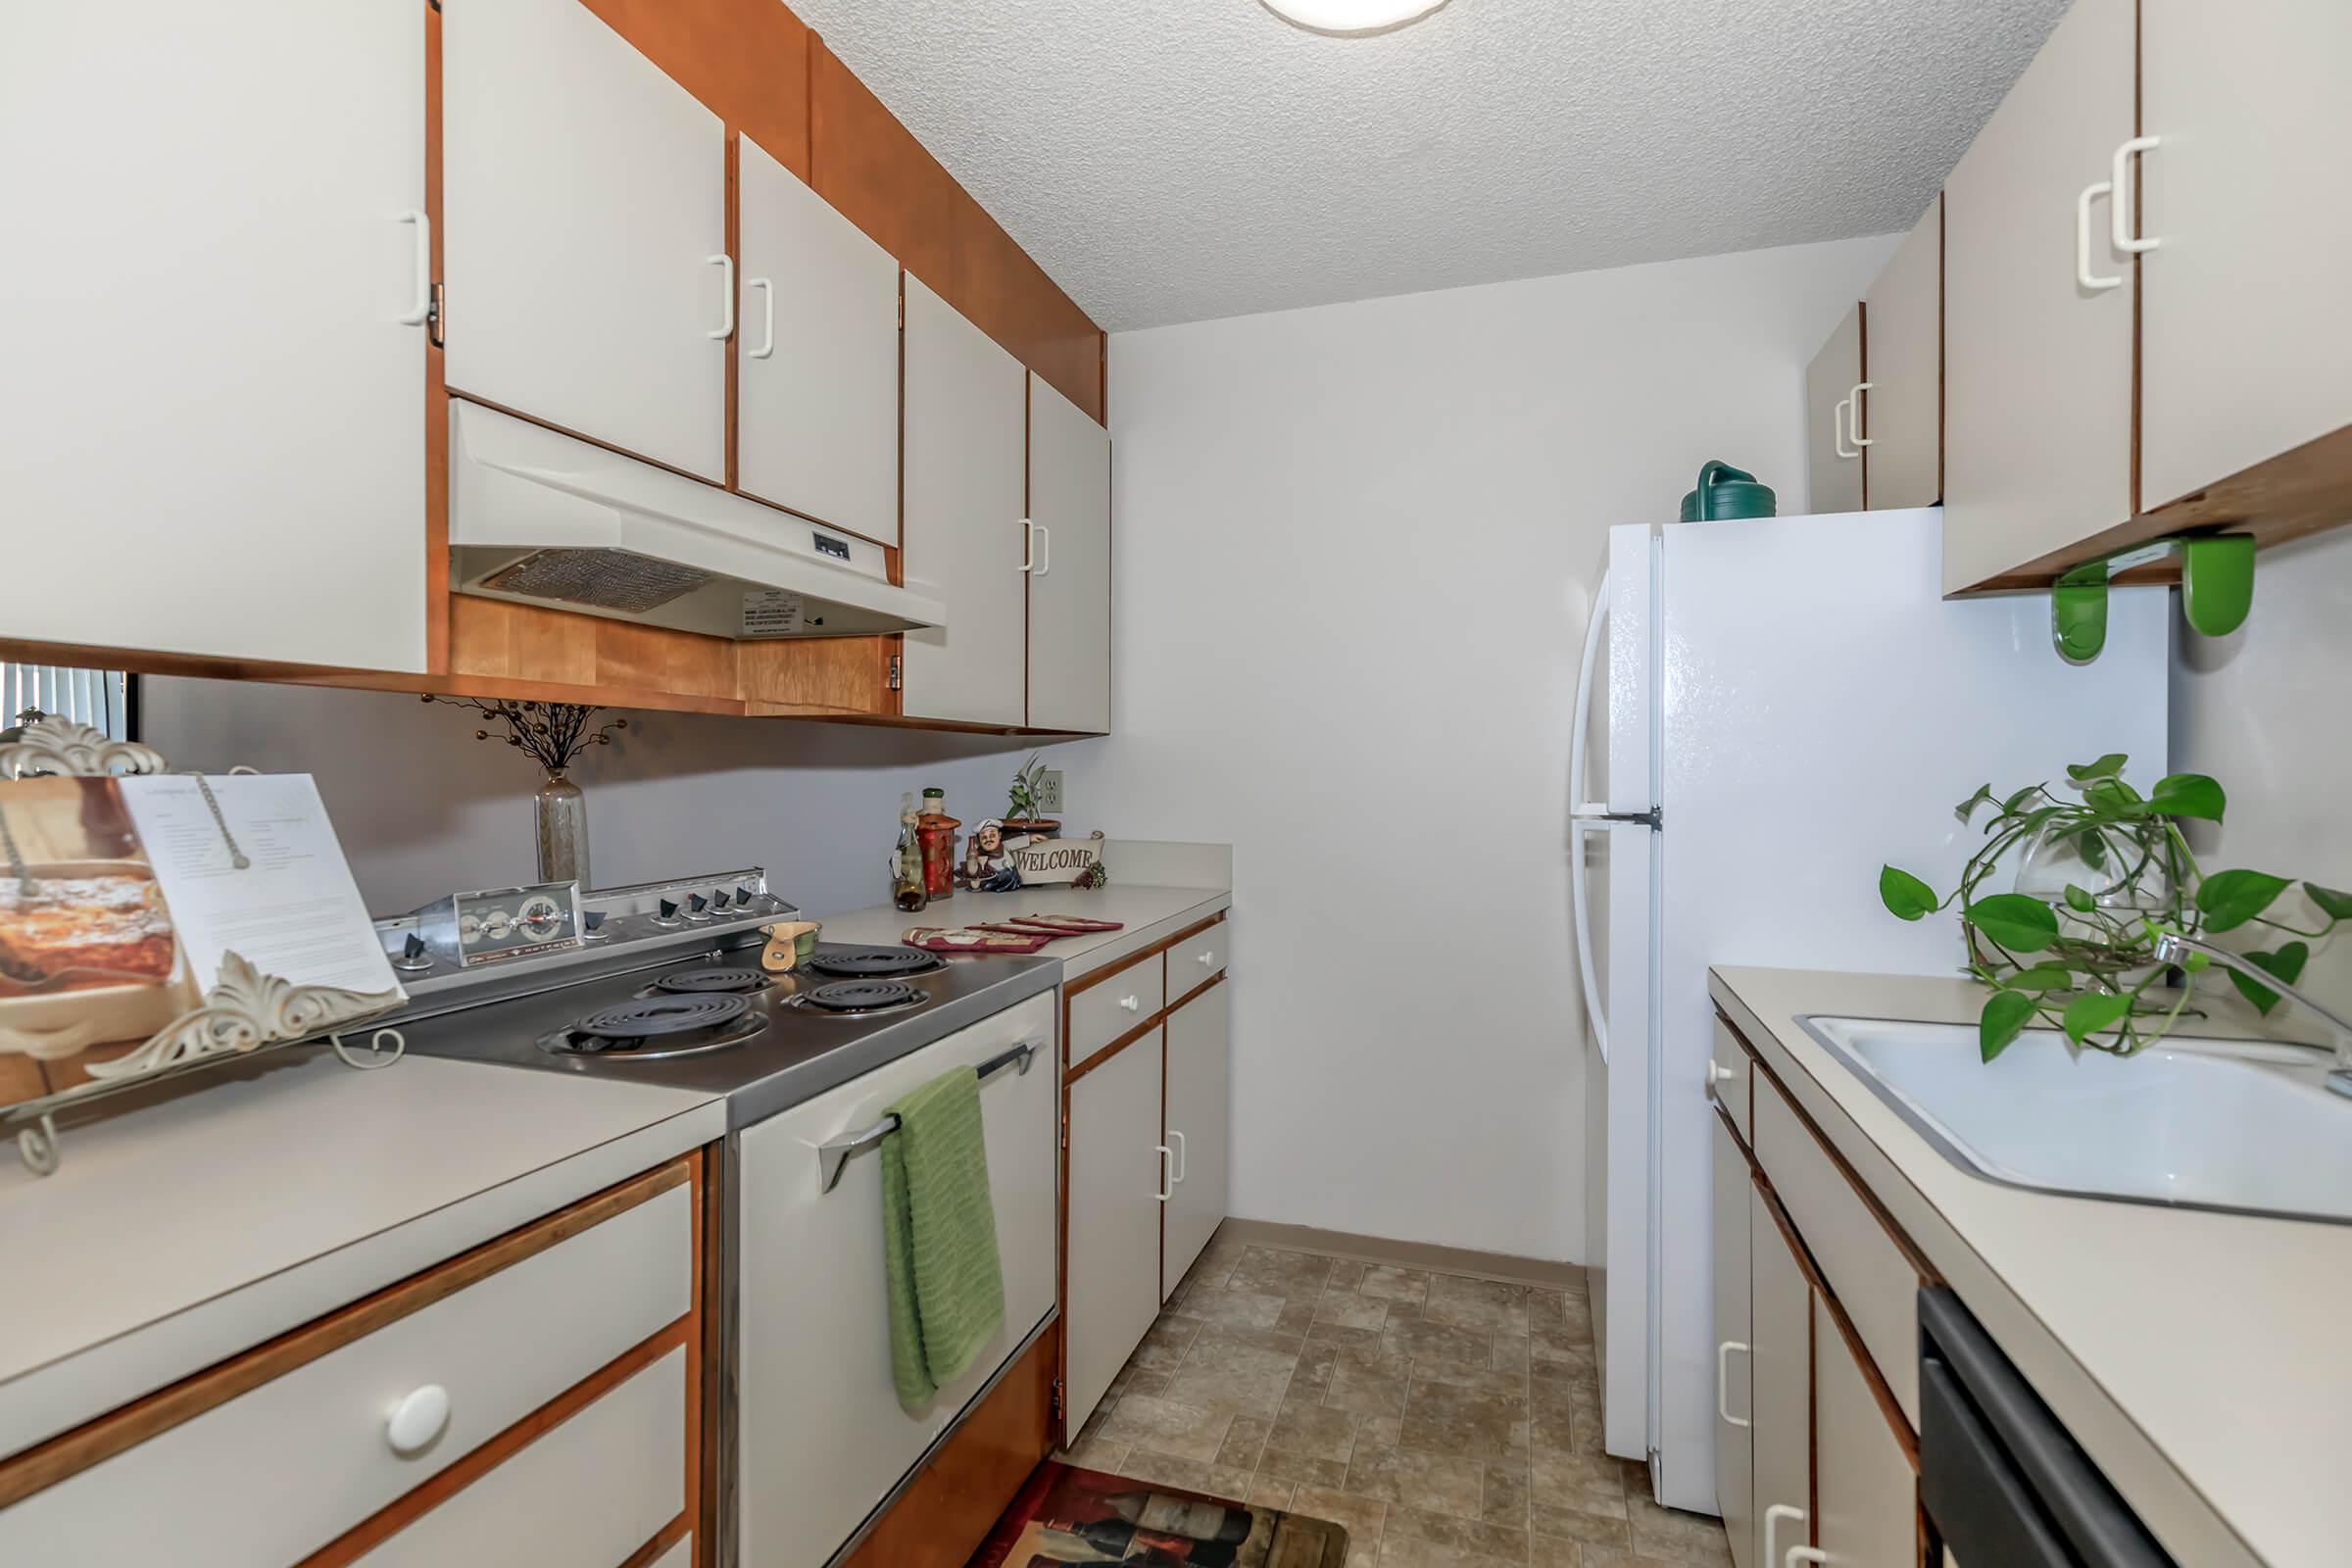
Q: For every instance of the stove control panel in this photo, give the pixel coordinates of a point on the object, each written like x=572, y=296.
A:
x=516, y=922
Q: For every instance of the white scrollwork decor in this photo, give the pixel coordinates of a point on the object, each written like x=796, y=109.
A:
x=63, y=748
x=246, y=1009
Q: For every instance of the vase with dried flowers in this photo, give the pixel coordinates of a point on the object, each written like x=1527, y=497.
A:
x=553, y=734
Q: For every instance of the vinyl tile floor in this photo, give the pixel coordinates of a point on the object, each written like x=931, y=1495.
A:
x=1449, y=1422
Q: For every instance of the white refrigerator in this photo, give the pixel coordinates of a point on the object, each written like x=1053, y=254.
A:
x=1768, y=712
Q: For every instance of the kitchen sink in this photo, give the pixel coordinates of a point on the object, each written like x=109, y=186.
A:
x=2243, y=1126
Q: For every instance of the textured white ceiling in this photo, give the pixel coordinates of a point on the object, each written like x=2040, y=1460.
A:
x=1178, y=159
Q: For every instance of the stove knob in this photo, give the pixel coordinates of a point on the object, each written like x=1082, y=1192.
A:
x=696, y=902
x=744, y=897
x=595, y=919
x=669, y=910
x=718, y=900
x=413, y=959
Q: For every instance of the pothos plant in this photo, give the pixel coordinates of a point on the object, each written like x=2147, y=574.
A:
x=2119, y=873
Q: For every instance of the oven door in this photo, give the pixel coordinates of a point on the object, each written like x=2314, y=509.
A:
x=821, y=1439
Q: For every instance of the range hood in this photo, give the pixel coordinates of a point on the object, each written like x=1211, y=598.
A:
x=543, y=518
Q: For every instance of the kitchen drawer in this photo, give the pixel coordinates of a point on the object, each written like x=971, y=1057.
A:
x=270, y=1476
x=630, y=1446
x=1732, y=1079
x=1193, y=962
x=1109, y=1009
x=1865, y=1268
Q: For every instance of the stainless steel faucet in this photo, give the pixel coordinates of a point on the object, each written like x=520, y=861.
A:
x=2173, y=947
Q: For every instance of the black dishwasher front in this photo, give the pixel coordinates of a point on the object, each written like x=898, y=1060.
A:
x=2003, y=1484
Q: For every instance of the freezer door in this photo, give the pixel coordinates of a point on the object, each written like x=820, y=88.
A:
x=1623, y=776
x=1614, y=872
x=1821, y=711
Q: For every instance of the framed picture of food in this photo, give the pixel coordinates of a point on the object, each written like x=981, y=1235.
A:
x=90, y=965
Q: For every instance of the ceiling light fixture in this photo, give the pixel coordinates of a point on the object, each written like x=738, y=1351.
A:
x=1353, y=17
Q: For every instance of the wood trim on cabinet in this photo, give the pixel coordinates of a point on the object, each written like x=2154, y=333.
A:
x=1860, y=418
x=1133, y=1035
x=668, y=1536
x=71, y=1452
x=1095, y=977
x=745, y=60
x=1177, y=1004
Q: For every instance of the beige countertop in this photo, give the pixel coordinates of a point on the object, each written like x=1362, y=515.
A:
x=219, y=1210
x=1149, y=914
x=2201, y=1359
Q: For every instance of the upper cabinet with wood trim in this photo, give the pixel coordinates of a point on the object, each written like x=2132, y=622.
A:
x=216, y=272
x=584, y=233
x=2038, y=304
x=2246, y=326
x=817, y=379
x=1068, y=565
x=1833, y=463
x=964, y=539
x=1899, y=418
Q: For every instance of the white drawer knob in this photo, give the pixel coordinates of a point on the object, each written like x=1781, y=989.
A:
x=1719, y=1074
x=1206, y=956
x=421, y=1417
x=1131, y=1003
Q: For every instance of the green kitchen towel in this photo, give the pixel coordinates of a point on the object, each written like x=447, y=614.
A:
x=939, y=1236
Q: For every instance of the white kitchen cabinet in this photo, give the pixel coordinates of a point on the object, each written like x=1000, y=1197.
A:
x=1833, y=463
x=1197, y=1115
x=1781, y=1328
x=1118, y=1170
x=215, y=272
x=584, y=202
x=1898, y=423
x=1735, y=1397
x=817, y=390
x=2038, y=311
x=964, y=518
x=1866, y=1488
x=1068, y=565
x=2245, y=314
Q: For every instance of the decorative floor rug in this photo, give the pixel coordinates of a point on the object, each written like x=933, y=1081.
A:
x=1067, y=1515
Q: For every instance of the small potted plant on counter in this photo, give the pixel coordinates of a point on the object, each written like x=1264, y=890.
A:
x=2101, y=876
x=1023, y=818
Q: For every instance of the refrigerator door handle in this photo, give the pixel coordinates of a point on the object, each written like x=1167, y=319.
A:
x=1578, y=805
x=1580, y=906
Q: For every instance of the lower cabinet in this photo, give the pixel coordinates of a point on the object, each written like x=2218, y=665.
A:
x=1735, y=1350
x=1118, y=1179
x=1199, y=1077
x=1866, y=1485
x=1781, y=1438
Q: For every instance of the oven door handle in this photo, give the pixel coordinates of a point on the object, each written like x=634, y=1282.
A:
x=833, y=1156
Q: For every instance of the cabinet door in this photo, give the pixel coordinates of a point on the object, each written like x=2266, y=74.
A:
x=2246, y=321
x=1781, y=1327
x=816, y=384
x=1110, y=1284
x=1070, y=571
x=1900, y=418
x=1735, y=1395
x=1867, y=1488
x=1833, y=463
x=2037, y=367
x=583, y=203
x=214, y=396
x=1199, y=1113
x=965, y=537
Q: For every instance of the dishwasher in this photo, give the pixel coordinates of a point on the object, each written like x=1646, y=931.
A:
x=2003, y=1484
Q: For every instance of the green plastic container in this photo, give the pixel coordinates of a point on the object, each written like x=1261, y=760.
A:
x=1727, y=492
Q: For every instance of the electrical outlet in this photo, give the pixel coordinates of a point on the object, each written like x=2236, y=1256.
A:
x=1049, y=793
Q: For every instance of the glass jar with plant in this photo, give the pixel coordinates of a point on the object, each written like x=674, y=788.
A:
x=553, y=735
x=2099, y=877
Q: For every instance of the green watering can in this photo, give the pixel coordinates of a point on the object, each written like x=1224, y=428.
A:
x=1725, y=492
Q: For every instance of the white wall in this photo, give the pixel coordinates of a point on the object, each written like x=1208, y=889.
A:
x=424, y=809
x=1354, y=546
x=2263, y=710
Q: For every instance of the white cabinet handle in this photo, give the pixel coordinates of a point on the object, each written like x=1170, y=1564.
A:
x=1772, y=1522
x=2120, y=213
x=1838, y=425
x=1719, y=1074
x=415, y=313
x=1797, y=1554
x=1167, y=1166
x=1723, y=1383
x=726, y=326
x=421, y=1417
x=1028, y=545
x=1184, y=1160
x=1132, y=1003
x=767, y=295
x=1044, y=556
x=1853, y=416
x=2083, y=272
x=1205, y=957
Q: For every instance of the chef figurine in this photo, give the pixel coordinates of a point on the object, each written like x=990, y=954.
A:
x=987, y=865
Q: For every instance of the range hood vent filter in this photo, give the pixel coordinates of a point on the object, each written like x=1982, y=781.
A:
x=600, y=579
